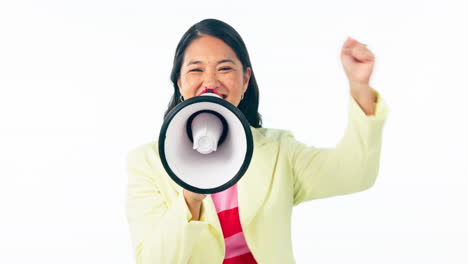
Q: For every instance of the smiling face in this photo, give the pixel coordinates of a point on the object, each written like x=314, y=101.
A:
x=210, y=63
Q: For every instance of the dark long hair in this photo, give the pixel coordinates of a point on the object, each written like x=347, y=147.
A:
x=219, y=29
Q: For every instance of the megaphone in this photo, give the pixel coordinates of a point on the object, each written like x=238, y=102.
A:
x=205, y=143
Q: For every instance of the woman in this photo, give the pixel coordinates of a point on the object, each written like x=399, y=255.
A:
x=249, y=222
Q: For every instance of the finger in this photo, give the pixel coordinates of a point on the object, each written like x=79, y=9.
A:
x=347, y=47
x=346, y=52
x=349, y=43
x=361, y=53
x=362, y=57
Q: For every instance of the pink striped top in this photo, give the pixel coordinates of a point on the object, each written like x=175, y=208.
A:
x=237, y=250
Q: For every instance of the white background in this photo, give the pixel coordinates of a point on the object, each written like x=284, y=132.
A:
x=83, y=82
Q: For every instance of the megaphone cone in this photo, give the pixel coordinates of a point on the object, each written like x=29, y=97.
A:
x=205, y=144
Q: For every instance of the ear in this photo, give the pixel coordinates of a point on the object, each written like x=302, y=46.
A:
x=247, y=75
x=179, y=85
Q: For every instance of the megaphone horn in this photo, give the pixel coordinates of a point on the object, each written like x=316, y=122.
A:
x=205, y=143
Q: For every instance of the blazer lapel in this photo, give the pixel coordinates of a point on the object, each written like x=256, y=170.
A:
x=253, y=187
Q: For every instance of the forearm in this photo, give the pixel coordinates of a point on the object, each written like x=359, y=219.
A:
x=364, y=96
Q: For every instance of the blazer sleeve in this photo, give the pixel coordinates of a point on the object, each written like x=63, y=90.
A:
x=160, y=230
x=351, y=166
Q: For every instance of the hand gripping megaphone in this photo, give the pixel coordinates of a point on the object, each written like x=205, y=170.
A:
x=205, y=143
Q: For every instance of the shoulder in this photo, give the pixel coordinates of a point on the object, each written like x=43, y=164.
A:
x=273, y=133
x=142, y=154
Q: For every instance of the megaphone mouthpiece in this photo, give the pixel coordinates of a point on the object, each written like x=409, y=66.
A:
x=206, y=131
x=205, y=144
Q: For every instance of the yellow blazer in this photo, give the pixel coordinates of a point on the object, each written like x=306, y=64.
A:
x=283, y=173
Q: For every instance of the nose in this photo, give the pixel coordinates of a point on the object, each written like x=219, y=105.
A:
x=210, y=81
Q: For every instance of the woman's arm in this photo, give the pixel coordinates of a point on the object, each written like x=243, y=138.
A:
x=354, y=164
x=351, y=166
x=358, y=64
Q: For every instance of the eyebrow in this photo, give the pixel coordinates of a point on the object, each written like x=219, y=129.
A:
x=219, y=62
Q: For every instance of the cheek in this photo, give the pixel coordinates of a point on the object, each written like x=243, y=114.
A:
x=189, y=82
x=234, y=82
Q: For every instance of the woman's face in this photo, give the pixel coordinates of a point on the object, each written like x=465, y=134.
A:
x=210, y=63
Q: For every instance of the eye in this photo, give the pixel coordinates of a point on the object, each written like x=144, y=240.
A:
x=195, y=70
x=225, y=68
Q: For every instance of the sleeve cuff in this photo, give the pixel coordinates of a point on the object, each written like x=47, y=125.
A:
x=186, y=211
x=381, y=109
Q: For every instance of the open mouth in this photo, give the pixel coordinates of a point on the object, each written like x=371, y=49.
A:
x=213, y=91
